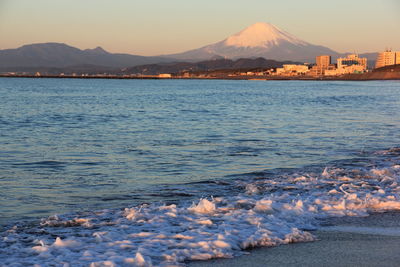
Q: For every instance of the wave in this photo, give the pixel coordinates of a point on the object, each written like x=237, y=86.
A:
x=270, y=209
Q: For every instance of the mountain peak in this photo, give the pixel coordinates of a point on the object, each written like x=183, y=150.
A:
x=97, y=50
x=261, y=34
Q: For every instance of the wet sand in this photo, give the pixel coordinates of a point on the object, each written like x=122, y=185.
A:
x=370, y=241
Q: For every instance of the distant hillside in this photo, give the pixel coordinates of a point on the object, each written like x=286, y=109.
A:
x=391, y=68
x=385, y=73
x=208, y=65
x=58, y=55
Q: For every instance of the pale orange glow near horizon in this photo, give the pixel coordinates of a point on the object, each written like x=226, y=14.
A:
x=156, y=28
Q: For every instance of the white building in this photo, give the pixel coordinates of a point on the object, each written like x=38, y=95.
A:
x=387, y=58
x=292, y=70
x=350, y=64
x=352, y=60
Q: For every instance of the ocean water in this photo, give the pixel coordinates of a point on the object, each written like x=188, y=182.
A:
x=158, y=172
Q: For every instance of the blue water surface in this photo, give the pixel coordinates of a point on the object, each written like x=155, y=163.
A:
x=69, y=145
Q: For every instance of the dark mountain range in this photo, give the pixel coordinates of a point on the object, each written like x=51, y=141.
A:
x=208, y=65
x=59, y=55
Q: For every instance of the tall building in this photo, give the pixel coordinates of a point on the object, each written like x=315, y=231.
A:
x=323, y=64
x=387, y=58
x=323, y=61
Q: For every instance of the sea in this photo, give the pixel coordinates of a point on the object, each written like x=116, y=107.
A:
x=106, y=172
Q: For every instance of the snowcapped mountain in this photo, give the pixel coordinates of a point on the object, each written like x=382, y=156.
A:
x=261, y=35
x=259, y=40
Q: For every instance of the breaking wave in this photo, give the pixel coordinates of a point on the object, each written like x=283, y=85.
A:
x=268, y=210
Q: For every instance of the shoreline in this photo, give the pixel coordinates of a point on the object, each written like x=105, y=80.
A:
x=352, y=241
x=239, y=78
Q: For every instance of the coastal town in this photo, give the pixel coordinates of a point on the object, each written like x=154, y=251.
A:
x=323, y=67
x=351, y=66
x=262, y=51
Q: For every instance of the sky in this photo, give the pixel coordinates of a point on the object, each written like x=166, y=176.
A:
x=156, y=27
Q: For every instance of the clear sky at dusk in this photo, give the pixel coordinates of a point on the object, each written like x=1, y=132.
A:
x=160, y=27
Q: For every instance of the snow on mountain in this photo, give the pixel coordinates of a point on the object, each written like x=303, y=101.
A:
x=261, y=35
x=259, y=40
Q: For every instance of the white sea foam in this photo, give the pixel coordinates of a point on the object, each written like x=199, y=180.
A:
x=269, y=212
x=204, y=207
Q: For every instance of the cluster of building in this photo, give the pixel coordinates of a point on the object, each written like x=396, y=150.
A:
x=344, y=65
x=349, y=64
x=323, y=67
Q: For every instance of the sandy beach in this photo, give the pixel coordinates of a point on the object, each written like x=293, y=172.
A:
x=369, y=241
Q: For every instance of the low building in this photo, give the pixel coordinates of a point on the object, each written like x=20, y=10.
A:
x=292, y=70
x=350, y=60
x=387, y=58
x=331, y=72
x=260, y=73
x=345, y=70
x=164, y=75
x=321, y=70
x=351, y=64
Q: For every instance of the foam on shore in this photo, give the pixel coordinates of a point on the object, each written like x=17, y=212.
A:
x=268, y=212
